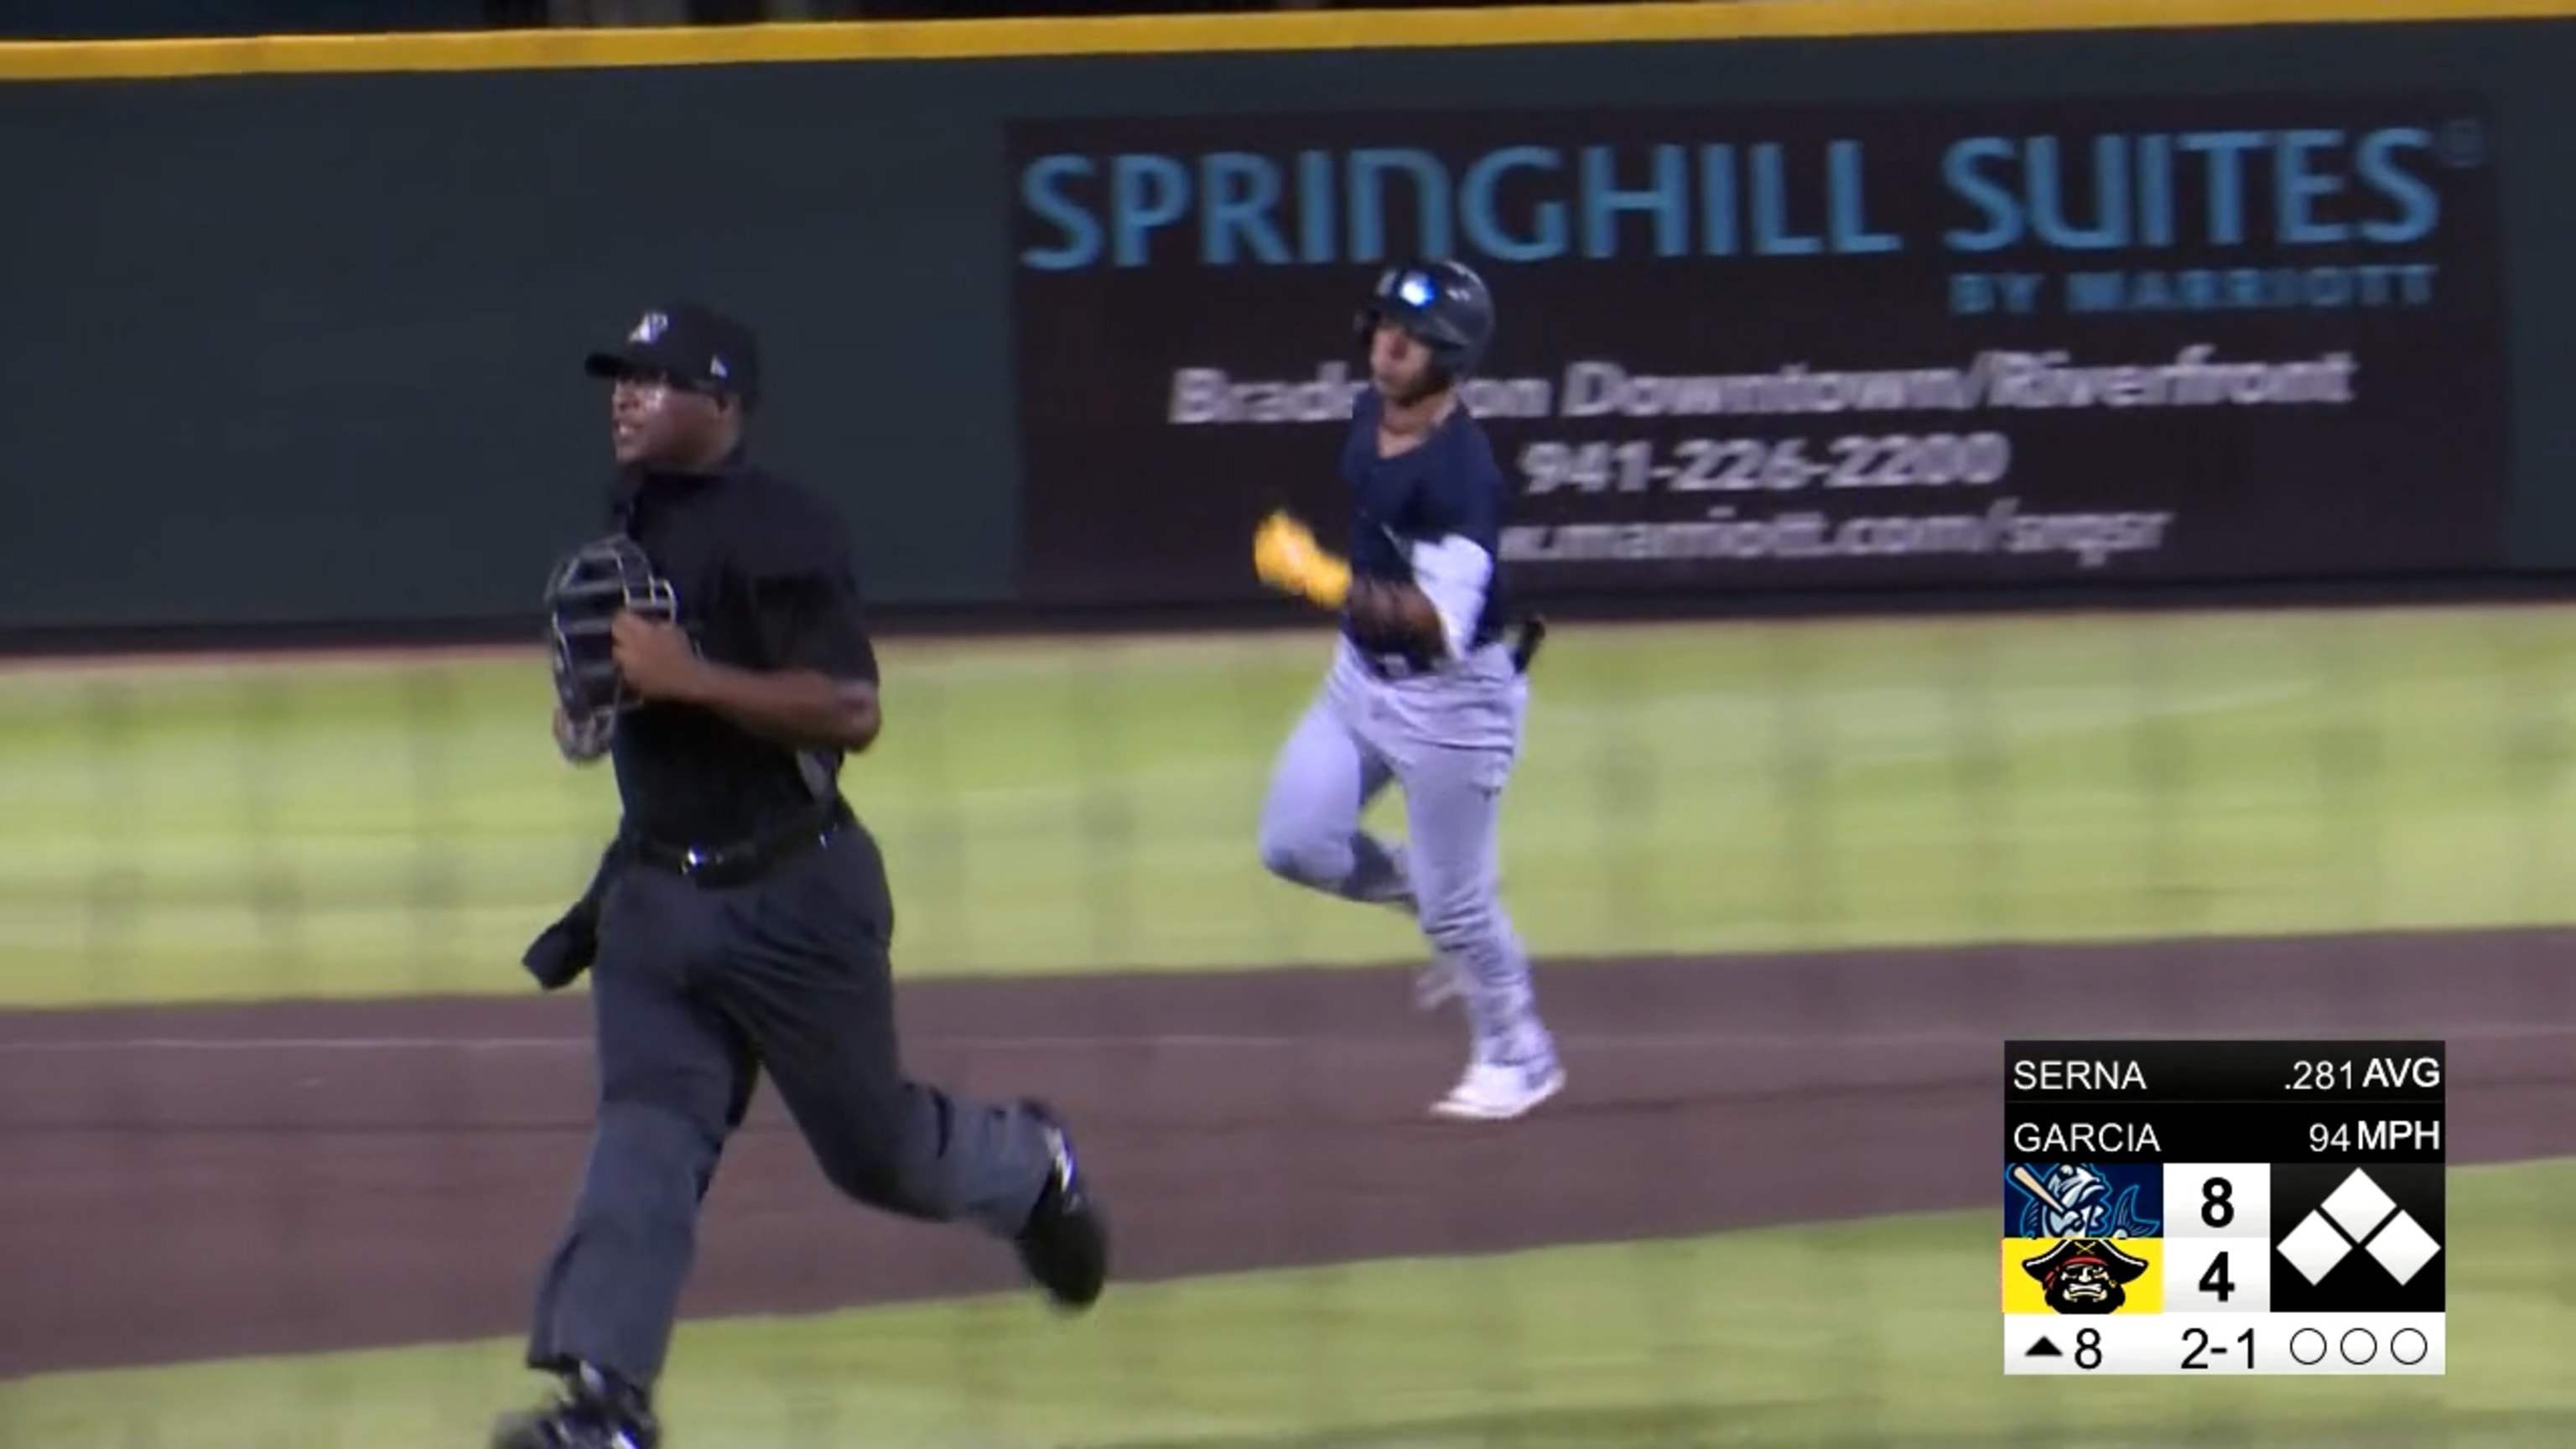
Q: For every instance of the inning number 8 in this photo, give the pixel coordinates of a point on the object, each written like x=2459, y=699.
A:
x=2216, y=1208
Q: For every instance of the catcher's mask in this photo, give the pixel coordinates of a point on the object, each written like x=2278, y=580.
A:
x=584, y=595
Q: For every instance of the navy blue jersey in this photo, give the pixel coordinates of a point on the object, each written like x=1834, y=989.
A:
x=1446, y=486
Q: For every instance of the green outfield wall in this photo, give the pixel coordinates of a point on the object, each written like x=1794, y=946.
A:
x=297, y=322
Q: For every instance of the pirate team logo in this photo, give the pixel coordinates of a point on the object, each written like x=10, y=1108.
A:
x=2085, y=1275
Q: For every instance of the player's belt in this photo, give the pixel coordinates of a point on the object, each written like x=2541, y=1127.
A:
x=1394, y=666
x=1525, y=636
x=742, y=860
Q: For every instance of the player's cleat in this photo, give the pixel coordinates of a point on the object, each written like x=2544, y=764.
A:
x=1501, y=1091
x=592, y=1412
x=1065, y=1246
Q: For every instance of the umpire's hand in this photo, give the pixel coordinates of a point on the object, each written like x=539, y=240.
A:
x=656, y=659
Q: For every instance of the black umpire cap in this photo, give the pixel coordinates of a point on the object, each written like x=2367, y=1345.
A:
x=692, y=345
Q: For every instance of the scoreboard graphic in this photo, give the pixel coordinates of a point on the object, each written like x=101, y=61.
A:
x=2223, y=1207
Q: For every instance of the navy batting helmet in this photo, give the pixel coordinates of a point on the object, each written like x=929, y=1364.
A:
x=1443, y=305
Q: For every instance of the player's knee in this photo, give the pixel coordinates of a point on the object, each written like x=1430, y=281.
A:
x=646, y=1163
x=664, y=1116
x=1304, y=857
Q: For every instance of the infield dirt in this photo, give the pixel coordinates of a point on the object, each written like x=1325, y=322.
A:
x=195, y=1183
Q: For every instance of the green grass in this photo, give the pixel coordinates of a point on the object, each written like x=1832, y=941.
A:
x=1866, y=1334
x=397, y=827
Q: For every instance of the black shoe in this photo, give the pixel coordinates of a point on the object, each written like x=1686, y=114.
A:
x=593, y=1412
x=1065, y=1246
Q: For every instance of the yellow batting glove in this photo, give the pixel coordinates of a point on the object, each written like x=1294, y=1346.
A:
x=1286, y=556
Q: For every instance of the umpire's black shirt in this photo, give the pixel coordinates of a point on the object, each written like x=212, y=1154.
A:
x=765, y=582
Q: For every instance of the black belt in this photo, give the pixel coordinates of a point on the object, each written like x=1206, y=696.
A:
x=1392, y=667
x=742, y=860
x=1525, y=637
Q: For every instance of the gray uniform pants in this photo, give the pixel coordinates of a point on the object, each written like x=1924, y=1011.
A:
x=1449, y=741
x=695, y=991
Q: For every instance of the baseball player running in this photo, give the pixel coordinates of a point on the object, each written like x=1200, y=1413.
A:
x=1423, y=692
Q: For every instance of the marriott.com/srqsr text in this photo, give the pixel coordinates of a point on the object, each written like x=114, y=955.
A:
x=2092, y=539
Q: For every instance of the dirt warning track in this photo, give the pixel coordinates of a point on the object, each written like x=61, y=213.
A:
x=202, y=1182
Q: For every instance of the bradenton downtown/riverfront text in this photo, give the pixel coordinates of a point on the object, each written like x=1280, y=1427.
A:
x=2194, y=376
x=1738, y=474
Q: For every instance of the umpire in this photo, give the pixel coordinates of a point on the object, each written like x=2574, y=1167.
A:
x=712, y=648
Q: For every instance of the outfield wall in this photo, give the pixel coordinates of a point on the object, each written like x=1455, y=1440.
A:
x=305, y=314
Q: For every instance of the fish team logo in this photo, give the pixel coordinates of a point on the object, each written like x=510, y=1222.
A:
x=2083, y=1200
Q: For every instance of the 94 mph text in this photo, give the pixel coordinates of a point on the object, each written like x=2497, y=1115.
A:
x=1783, y=465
